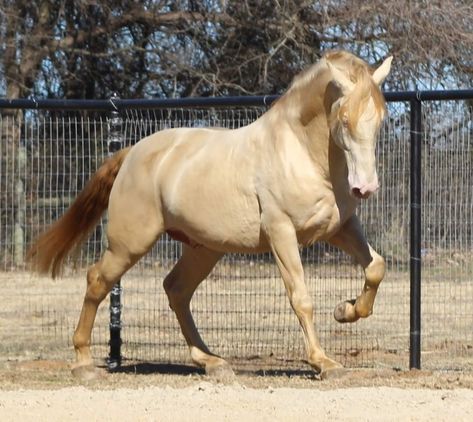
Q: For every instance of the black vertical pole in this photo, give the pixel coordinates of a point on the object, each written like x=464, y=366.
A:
x=415, y=233
x=115, y=356
x=115, y=143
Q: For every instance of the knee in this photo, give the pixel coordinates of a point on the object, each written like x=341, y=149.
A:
x=375, y=271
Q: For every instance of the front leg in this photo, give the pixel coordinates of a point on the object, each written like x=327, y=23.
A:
x=283, y=242
x=351, y=239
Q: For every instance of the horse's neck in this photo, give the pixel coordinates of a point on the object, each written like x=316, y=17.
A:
x=307, y=116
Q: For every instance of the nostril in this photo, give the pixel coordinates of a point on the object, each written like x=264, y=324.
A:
x=357, y=193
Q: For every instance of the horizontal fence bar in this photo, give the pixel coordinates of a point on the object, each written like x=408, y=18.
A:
x=242, y=101
x=120, y=104
x=457, y=94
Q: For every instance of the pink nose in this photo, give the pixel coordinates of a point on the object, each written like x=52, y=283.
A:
x=364, y=191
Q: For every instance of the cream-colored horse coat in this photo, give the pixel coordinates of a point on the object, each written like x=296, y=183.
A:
x=292, y=177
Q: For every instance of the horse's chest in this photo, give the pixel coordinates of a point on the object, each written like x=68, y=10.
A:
x=315, y=225
x=321, y=220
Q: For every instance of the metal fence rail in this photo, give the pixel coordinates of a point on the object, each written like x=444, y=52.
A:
x=48, y=151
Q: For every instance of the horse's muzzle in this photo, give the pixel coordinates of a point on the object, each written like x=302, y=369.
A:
x=364, y=191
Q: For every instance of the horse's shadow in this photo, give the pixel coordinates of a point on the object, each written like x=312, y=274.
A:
x=149, y=368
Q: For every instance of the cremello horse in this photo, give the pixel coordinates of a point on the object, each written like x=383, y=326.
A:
x=292, y=177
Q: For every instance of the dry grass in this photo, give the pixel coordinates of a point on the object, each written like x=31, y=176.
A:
x=246, y=319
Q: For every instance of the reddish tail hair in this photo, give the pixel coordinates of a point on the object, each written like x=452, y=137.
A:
x=49, y=251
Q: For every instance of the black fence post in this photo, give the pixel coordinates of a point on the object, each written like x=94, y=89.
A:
x=415, y=232
x=114, y=144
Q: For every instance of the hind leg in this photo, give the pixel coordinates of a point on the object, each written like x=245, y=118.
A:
x=351, y=239
x=180, y=284
x=126, y=247
x=100, y=279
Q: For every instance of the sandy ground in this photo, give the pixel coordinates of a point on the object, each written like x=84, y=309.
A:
x=45, y=391
x=208, y=402
x=36, y=328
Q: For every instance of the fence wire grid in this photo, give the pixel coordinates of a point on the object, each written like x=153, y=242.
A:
x=242, y=309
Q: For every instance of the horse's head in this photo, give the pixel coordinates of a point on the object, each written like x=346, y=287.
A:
x=355, y=119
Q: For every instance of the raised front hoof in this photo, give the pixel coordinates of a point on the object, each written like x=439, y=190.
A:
x=86, y=373
x=220, y=372
x=333, y=373
x=345, y=311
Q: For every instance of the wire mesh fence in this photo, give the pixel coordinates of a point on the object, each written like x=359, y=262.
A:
x=242, y=309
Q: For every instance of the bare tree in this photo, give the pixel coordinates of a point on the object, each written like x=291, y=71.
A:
x=431, y=40
x=89, y=49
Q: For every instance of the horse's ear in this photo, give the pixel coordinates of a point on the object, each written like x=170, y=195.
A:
x=340, y=79
x=382, y=71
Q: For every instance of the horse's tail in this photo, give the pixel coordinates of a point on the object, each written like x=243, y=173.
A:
x=49, y=251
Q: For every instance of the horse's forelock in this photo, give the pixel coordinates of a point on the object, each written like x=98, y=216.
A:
x=365, y=88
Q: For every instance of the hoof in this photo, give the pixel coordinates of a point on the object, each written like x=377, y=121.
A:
x=222, y=372
x=86, y=373
x=333, y=373
x=345, y=311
